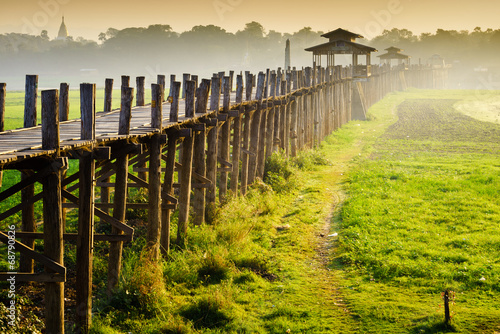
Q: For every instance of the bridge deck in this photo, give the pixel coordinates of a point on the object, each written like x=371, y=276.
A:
x=27, y=142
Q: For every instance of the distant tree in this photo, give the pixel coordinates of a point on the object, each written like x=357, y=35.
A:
x=44, y=35
x=102, y=37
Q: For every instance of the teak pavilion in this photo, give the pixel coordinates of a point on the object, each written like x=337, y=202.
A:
x=344, y=42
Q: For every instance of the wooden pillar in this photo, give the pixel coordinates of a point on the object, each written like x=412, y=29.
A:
x=108, y=95
x=63, y=116
x=172, y=80
x=64, y=102
x=28, y=212
x=246, y=134
x=190, y=88
x=120, y=196
x=3, y=93
x=237, y=137
x=225, y=133
x=288, y=113
x=185, y=78
x=277, y=117
x=125, y=81
x=174, y=107
x=231, y=78
x=261, y=150
x=185, y=190
x=108, y=99
x=255, y=131
x=199, y=158
x=154, y=189
x=293, y=120
x=52, y=215
x=270, y=117
x=283, y=116
x=168, y=189
x=139, y=82
x=212, y=144
x=161, y=80
x=85, y=239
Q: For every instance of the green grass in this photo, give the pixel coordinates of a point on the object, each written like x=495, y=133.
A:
x=359, y=236
x=422, y=216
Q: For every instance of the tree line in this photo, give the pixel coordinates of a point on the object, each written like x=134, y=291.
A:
x=207, y=49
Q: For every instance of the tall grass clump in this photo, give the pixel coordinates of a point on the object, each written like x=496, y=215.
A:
x=279, y=173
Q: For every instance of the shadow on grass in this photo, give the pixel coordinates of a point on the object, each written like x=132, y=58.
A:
x=438, y=327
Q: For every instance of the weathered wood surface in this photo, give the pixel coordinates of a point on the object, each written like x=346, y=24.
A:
x=26, y=143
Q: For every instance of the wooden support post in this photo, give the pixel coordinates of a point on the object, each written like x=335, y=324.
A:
x=283, y=116
x=261, y=149
x=293, y=123
x=139, y=82
x=270, y=117
x=190, y=88
x=168, y=189
x=185, y=191
x=172, y=80
x=225, y=133
x=3, y=93
x=154, y=189
x=64, y=102
x=174, y=107
x=52, y=215
x=266, y=83
x=246, y=134
x=85, y=240
x=185, y=78
x=28, y=212
x=212, y=145
x=254, y=131
x=231, y=78
x=108, y=95
x=30, y=117
x=195, y=79
x=277, y=116
x=308, y=109
x=237, y=137
x=120, y=196
x=288, y=113
x=63, y=116
x=125, y=81
x=200, y=168
x=161, y=80
x=202, y=96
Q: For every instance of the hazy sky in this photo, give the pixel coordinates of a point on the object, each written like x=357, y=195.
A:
x=87, y=18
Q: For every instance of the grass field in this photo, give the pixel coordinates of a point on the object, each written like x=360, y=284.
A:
x=359, y=236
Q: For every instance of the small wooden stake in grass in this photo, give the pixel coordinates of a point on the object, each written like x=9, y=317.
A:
x=446, y=298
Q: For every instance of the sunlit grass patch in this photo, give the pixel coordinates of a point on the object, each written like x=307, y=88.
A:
x=421, y=216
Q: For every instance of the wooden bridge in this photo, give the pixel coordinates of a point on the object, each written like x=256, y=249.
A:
x=204, y=147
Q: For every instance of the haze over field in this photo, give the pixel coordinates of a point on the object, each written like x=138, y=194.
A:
x=111, y=38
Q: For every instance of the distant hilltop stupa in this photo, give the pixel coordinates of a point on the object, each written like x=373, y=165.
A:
x=63, y=32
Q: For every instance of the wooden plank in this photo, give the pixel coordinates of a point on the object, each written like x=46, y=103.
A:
x=40, y=258
x=41, y=277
